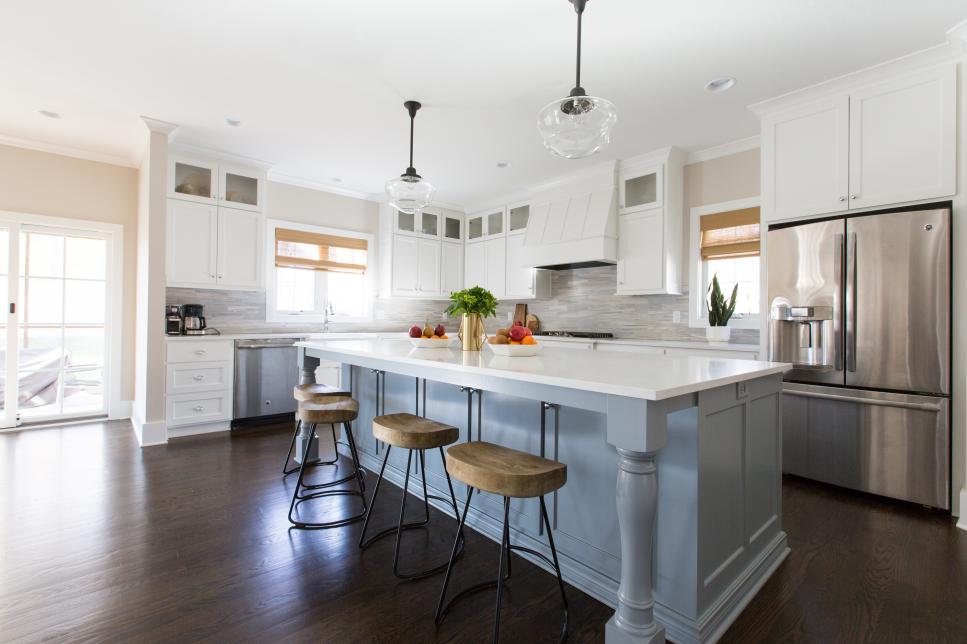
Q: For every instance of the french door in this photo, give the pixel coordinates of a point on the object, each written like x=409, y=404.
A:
x=56, y=287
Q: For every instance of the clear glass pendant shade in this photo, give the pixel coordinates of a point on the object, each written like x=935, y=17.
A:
x=409, y=193
x=577, y=126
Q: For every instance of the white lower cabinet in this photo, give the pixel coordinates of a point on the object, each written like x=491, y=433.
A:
x=213, y=247
x=524, y=282
x=200, y=377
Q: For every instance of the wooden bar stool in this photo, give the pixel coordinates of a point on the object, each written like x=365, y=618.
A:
x=328, y=409
x=411, y=433
x=303, y=393
x=511, y=474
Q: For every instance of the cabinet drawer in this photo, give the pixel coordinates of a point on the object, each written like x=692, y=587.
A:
x=200, y=376
x=190, y=409
x=201, y=351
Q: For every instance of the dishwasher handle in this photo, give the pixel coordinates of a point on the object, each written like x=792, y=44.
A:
x=267, y=343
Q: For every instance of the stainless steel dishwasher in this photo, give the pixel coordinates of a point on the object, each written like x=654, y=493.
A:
x=265, y=373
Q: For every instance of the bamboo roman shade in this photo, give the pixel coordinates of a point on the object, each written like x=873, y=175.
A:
x=313, y=251
x=730, y=234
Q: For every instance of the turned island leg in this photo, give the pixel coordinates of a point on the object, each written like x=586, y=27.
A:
x=637, y=499
x=307, y=376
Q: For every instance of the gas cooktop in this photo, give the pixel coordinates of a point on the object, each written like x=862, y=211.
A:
x=593, y=335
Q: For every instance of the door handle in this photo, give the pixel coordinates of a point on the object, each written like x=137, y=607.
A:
x=851, y=300
x=876, y=402
x=200, y=352
x=837, y=304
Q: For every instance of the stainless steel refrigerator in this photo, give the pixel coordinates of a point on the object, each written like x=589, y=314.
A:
x=861, y=306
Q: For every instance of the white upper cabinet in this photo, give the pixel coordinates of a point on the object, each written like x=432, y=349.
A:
x=191, y=244
x=215, y=224
x=429, y=268
x=239, y=264
x=210, y=181
x=523, y=282
x=903, y=139
x=874, y=145
x=496, y=266
x=452, y=226
x=805, y=159
x=406, y=265
x=240, y=187
x=517, y=218
x=485, y=224
x=451, y=267
x=641, y=189
x=476, y=265
x=650, y=223
x=192, y=179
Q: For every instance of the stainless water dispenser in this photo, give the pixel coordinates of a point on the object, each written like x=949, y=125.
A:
x=804, y=336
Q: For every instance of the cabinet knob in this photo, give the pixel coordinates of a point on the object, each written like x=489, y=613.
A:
x=219, y=276
x=199, y=377
x=853, y=196
x=199, y=408
x=842, y=198
x=200, y=352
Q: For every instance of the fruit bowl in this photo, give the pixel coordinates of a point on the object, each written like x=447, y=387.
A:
x=432, y=343
x=515, y=350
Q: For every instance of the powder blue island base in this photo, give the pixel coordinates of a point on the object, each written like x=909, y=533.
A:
x=691, y=529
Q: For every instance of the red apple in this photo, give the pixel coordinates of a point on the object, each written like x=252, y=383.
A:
x=439, y=330
x=416, y=331
x=517, y=333
x=527, y=331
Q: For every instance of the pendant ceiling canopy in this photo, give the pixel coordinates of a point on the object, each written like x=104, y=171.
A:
x=577, y=125
x=410, y=193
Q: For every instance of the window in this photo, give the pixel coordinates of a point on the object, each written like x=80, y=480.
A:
x=317, y=273
x=725, y=242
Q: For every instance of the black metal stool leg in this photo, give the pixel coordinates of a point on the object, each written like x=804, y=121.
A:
x=557, y=569
x=440, y=609
x=372, y=502
x=504, y=556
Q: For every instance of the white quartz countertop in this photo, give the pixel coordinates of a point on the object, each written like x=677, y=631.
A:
x=649, y=377
x=301, y=335
x=674, y=344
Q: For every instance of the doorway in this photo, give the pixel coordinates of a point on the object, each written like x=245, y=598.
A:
x=58, y=285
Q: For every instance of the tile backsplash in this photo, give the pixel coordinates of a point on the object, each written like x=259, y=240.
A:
x=582, y=299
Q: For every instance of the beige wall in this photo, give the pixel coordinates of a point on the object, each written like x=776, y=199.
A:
x=50, y=184
x=307, y=206
x=727, y=178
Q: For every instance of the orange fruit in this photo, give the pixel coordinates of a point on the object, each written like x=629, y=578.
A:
x=444, y=337
x=515, y=342
x=528, y=340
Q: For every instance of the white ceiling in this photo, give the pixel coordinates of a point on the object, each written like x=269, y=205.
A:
x=319, y=85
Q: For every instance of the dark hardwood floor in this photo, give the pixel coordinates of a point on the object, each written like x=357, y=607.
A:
x=103, y=541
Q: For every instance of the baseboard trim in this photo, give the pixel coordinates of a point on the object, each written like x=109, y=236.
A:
x=120, y=409
x=149, y=434
x=962, y=523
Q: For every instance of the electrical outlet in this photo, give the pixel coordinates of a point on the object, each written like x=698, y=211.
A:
x=740, y=390
x=677, y=317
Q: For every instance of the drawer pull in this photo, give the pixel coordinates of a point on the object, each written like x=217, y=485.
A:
x=201, y=352
x=199, y=377
x=198, y=408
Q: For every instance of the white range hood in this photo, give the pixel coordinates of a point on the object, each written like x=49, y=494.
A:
x=573, y=222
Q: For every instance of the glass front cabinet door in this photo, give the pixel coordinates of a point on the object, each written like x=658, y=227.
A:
x=518, y=216
x=192, y=179
x=240, y=188
x=452, y=227
x=641, y=190
x=430, y=223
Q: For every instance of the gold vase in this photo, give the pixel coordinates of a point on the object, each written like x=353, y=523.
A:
x=472, y=334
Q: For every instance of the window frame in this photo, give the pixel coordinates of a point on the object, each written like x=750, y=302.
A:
x=274, y=315
x=697, y=274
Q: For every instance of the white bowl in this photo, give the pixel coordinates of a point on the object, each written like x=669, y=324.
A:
x=430, y=343
x=515, y=350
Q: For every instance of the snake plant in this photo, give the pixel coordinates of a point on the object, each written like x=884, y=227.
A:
x=719, y=312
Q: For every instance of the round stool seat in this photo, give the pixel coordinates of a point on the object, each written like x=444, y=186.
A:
x=313, y=390
x=413, y=432
x=504, y=471
x=328, y=410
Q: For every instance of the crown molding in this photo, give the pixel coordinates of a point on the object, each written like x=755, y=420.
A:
x=723, y=150
x=159, y=126
x=948, y=52
x=302, y=182
x=177, y=145
x=68, y=151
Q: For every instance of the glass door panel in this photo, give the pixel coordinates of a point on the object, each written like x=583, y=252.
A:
x=241, y=189
x=193, y=180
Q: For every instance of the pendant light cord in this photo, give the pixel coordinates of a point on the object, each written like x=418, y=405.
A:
x=577, y=74
x=412, y=120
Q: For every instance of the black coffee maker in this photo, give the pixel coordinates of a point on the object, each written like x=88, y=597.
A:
x=194, y=320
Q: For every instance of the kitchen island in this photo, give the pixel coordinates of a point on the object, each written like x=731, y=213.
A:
x=693, y=528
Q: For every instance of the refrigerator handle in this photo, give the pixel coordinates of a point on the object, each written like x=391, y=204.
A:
x=851, y=304
x=838, y=305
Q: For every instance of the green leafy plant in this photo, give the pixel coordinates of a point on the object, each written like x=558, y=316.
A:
x=473, y=301
x=720, y=312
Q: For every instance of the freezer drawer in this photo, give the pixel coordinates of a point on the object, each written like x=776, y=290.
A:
x=895, y=445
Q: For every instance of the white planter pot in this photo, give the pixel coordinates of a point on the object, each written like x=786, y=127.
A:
x=718, y=334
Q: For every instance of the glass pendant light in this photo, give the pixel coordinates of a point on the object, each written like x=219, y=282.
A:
x=577, y=125
x=409, y=192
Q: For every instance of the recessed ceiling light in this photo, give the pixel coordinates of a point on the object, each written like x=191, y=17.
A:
x=49, y=114
x=503, y=164
x=233, y=122
x=720, y=84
